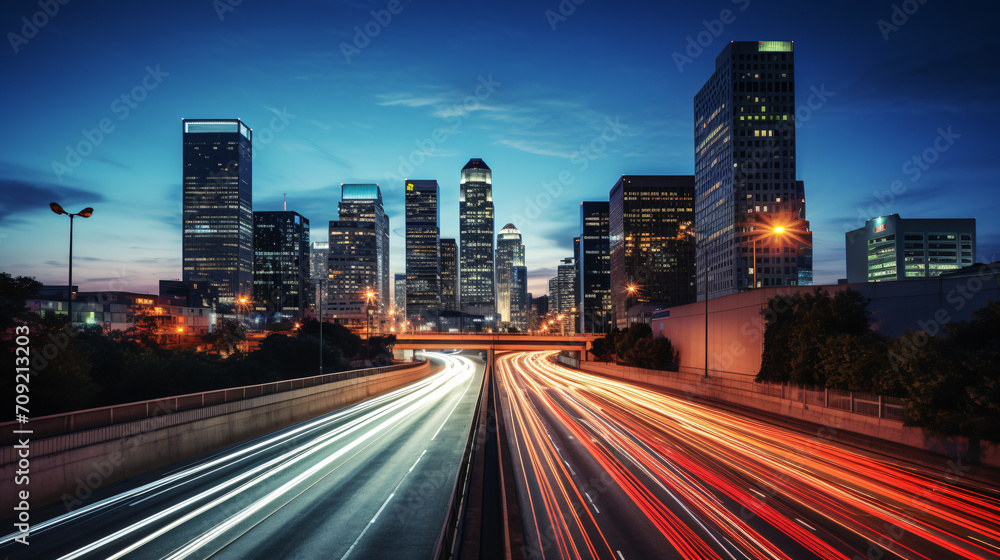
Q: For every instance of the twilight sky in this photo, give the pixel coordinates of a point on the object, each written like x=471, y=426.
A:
x=542, y=91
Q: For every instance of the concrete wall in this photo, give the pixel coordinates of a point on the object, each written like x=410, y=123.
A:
x=69, y=467
x=735, y=326
x=735, y=391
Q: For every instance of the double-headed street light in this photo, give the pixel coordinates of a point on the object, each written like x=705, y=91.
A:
x=85, y=213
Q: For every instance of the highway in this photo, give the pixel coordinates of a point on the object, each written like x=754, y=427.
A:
x=369, y=481
x=610, y=469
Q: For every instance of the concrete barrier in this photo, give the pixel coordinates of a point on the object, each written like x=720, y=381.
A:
x=732, y=391
x=70, y=467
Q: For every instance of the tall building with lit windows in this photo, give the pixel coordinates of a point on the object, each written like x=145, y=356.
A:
x=512, y=279
x=475, y=224
x=650, y=218
x=750, y=211
x=449, y=275
x=594, y=273
x=893, y=248
x=423, y=252
x=281, y=272
x=362, y=202
x=217, y=185
x=358, y=258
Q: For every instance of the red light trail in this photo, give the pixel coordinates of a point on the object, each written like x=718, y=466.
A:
x=714, y=484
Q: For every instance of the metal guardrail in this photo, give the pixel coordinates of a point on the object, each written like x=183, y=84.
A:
x=855, y=402
x=80, y=420
x=451, y=532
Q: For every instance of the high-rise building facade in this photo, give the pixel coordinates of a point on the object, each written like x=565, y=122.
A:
x=475, y=223
x=893, y=248
x=511, y=279
x=594, y=273
x=749, y=204
x=281, y=272
x=650, y=219
x=423, y=252
x=565, y=299
x=358, y=258
x=362, y=202
x=449, y=275
x=399, y=293
x=218, y=208
x=319, y=265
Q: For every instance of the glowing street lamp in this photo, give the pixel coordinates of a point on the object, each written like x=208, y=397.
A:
x=85, y=213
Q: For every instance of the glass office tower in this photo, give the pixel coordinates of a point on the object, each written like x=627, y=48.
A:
x=652, y=249
x=281, y=264
x=217, y=232
x=449, y=275
x=745, y=173
x=594, y=300
x=358, y=258
x=423, y=253
x=511, y=277
x=475, y=223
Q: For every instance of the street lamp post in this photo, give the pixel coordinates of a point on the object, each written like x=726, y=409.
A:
x=322, y=291
x=369, y=295
x=631, y=288
x=85, y=213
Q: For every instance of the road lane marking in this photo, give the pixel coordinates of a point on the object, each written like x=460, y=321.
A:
x=389, y=415
x=620, y=554
x=461, y=396
x=365, y=530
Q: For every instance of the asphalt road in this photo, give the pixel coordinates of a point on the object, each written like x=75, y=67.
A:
x=369, y=481
x=609, y=469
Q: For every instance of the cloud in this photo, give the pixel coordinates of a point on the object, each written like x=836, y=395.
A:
x=326, y=153
x=399, y=100
x=17, y=196
x=540, y=148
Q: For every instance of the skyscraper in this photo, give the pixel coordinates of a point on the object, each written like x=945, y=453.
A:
x=423, y=252
x=399, y=292
x=449, y=275
x=652, y=250
x=358, y=257
x=217, y=187
x=511, y=278
x=475, y=223
x=319, y=265
x=281, y=264
x=594, y=274
x=362, y=202
x=745, y=173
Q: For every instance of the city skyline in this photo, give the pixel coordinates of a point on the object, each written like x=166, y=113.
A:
x=886, y=106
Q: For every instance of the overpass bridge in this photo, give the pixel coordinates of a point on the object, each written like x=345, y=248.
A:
x=491, y=342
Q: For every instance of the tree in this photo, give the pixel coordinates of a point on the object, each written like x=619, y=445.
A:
x=954, y=382
x=631, y=336
x=227, y=336
x=859, y=363
x=797, y=327
x=14, y=293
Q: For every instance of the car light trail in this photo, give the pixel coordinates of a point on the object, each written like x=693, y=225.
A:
x=297, y=459
x=714, y=484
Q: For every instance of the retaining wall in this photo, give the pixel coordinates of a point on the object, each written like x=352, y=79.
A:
x=733, y=391
x=69, y=467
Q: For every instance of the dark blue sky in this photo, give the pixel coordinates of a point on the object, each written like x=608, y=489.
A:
x=417, y=90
